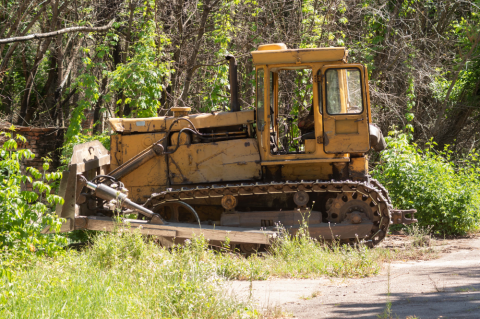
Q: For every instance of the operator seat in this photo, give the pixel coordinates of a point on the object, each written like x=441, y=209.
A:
x=306, y=125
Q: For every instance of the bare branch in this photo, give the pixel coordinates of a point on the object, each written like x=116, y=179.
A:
x=58, y=32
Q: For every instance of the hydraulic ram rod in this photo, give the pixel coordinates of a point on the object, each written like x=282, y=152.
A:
x=137, y=161
x=107, y=193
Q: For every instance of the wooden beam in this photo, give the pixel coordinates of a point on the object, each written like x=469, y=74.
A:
x=221, y=233
x=178, y=230
x=338, y=231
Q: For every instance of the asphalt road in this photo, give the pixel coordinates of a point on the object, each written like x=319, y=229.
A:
x=448, y=287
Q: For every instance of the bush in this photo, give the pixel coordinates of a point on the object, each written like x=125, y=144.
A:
x=445, y=193
x=23, y=214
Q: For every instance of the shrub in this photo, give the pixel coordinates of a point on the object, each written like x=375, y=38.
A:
x=23, y=214
x=445, y=193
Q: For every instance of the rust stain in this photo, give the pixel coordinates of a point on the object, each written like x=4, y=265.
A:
x=325, y=139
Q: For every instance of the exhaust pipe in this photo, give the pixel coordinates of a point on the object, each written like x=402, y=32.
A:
x=234, y=103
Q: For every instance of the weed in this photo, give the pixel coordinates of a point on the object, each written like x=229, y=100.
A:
x=387, y=312
x=419, y=244
x=421, y=236
x=275, y=312
x=300, y=256
x=436, y=286
x=312, y=295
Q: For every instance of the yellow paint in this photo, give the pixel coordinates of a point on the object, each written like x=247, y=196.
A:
x=161, y=124
x=153, y=172
x=185, y=139
x=230, y=160
x=308, y=171
x=358, y=167
x=346, y=127
x=295, y=56
x=319, y=153
x=310, y=146
x=367, y=93
x=272, y=46
x=115, y=151
x=338, y=138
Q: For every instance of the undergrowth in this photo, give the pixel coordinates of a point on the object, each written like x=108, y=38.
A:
x=445, y=192
x=300, y=256
x=25, y=213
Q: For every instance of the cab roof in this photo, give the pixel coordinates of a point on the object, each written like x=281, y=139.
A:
x=278, y=53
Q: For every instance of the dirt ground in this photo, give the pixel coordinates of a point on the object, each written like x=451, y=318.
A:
x=447, y=287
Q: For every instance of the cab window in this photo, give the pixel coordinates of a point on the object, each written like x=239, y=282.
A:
x=344, y=91
x=294, y=110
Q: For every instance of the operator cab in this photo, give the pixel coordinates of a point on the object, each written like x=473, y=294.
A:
x=310, y=103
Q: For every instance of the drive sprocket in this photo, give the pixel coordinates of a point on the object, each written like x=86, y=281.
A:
x=340, y=208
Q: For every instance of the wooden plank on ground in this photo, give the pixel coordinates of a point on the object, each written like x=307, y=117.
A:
x=179, y=230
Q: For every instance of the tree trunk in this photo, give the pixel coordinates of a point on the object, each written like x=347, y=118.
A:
x=193, y=56
x=97, y=116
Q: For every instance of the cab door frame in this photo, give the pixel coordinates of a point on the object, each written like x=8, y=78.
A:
x=261, y=118
x=345, y=132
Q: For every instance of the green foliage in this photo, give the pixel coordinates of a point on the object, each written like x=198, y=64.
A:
x=215, y=97
x=24, y=214
x=446, y=194
x=88, y=84
x=140, y=81
x=142, y=78
x=217, y=81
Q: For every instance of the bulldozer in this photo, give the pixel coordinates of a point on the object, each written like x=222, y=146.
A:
x=298, y=157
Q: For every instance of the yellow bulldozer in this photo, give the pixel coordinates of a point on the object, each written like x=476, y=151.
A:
x=242, y=174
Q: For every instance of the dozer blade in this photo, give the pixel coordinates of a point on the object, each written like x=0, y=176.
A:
x=88, y=159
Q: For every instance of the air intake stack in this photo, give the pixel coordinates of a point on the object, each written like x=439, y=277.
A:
x=234, y=103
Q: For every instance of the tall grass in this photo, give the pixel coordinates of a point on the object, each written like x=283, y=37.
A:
x=301, y=256
x=122, y=275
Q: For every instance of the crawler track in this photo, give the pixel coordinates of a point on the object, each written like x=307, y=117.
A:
x=373, y=190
